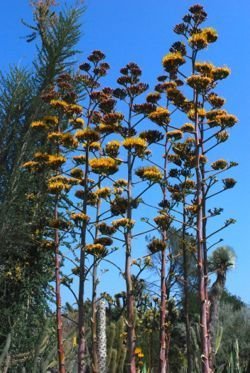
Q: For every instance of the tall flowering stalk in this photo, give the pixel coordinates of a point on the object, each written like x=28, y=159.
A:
x=55, y=130
x=99, y=107
x=135, y=148
x=161, y=116
x=208, y=128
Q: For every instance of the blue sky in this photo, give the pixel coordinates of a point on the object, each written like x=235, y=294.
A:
x=140, y=31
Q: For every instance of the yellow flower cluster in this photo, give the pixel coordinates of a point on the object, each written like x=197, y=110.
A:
x=220, y=164
x=87, y=134
x=58, y=184
x=188, y=127
x=222, y=136
x=210, y=71
x=69, y=141
x=39, y=124
x=79, y=159
x=56, y=161
x=192, y=209
x=77, y=122
x=56, y=187
x=74, y=109
x=123, y=222
x=200, y=40
x=163, y=221
x=220, y=73
x=108, y=128
x=95, y=146
x=112, y=148
x=136, y=144
x=59, y=104
x=221, y=118
x=160, y=116
x=215, y=100
x=156, y=245
x=32, y=166
x=174, y=135
x=200, y=83
x=172, y=61
x=188, y=184
x=41, y=157
x=77, y=173
x=103, y=192
x=200, y=112
x=66, y=107
x=151, y=173
x=55, y=137
x=79, y=217
x=95, y=249
x=120, y=183
x=204, y=68
x=104, y=165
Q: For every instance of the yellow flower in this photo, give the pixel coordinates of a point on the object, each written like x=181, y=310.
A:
x=79, y=159
x=59, y=104
x=156, y=245
x=220, y=164
x=201, y=39
x=188, y=127
x=175, y=134
x=172, y=61
x=87, y=134
x=151, y=173
x=56, y=187
x=69, y=141
x=198, y=82
x=198, y=40
x=123, y=222
x=77, y=122
x=211, y=34
x=56, y=161
x=74, y=109
x=55, y=137
x=96, y=249
x=39, y=124
x=96, y=145
x=103, y=192
x=104, y=165
x=77, y=173
x=163, y=220
x=41, y=157
x=200, y=111
x=160, y=116
x=108, y=128
x=220, y=73
x=204, y=68
x=112, y=148
x=135, y=143
x=138, y=350
x=215, y=100
x=32, y=166
x=79, y=217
